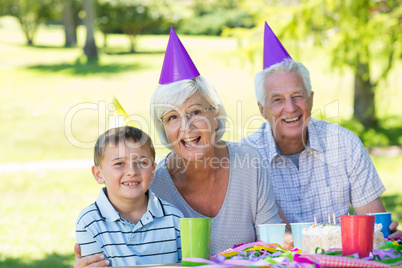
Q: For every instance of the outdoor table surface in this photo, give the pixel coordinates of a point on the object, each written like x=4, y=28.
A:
x=156, y=265
x=177, y=265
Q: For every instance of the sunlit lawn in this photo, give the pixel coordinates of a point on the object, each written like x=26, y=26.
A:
x=51, y=97
x=51, y=108
x=39, y=212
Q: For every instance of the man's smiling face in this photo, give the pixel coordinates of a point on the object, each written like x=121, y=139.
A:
x=287, y=105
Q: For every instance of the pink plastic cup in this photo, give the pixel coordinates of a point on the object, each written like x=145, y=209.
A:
x=357, y=234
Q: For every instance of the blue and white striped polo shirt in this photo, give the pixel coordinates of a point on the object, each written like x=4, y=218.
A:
x=155, y=239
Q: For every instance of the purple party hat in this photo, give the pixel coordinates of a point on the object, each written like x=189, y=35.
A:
x=177, y=64
x=274, y=52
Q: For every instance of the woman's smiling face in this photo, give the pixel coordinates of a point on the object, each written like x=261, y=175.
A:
x=192, y=139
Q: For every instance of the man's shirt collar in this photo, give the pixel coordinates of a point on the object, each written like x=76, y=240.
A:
x=313, y=142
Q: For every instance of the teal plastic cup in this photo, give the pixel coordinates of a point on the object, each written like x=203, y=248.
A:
x=272, y=233
x=385, y=219
x=297, y=233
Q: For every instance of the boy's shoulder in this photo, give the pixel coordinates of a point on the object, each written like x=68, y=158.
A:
x=88, y=215
x=170, y=210
x=160, y=207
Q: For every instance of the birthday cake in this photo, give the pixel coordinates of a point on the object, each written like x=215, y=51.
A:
x=329, y=236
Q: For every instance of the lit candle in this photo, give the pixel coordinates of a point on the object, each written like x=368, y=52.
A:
x=329, y=219
x=315, y=221
x=333, y=216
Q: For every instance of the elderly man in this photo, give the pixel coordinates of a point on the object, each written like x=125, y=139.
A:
x=317, y=168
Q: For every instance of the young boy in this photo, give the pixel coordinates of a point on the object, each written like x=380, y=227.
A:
x=128, y=223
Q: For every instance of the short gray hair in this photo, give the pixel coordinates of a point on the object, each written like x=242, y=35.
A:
x=287, y=65
x=169, y=96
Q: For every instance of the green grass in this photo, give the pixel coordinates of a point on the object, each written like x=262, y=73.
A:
x=39, y=211
x=48, y=111
x=43, y=85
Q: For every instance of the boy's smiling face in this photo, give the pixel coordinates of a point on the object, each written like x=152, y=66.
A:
x=127, y=170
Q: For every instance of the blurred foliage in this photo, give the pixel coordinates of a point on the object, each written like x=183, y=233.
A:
x=132, y=17
x=213, y=23
x=57, y=6
x=357, y=34
x=387, y=133
x=210, y=17
x=363, y=36
x=30, y=14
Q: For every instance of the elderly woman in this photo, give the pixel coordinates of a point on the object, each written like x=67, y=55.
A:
x=204, y=176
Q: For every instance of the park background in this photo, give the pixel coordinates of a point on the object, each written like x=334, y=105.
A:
x=52, y=106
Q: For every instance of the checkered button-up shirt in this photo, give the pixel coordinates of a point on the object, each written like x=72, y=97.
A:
x=334, y=172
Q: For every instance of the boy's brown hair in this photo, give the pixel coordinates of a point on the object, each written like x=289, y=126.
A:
x=121, y=134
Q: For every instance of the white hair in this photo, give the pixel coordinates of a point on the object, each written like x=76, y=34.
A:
x=287, y=65
x=173, y=95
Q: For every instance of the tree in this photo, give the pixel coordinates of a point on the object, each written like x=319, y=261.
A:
x=358, y=34
x=107, y=13
x=30, y=14
x=211, y=17
x=90, y=49
x=70, y=21
x=132, y=17
x=136, y=19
